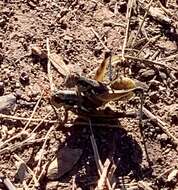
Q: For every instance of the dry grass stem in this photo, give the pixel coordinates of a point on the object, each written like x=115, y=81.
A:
x=166, y=171
x=103, y=176
x=23, y=130
x=97, y=157
x=17, y=145
x=161, y=124
x=99, y=38
x=29, y=170
x=42, y=151
x=8, y=184
x=128, y=17
x=49, y=67
x=10, y=117
x=151, y=40
x=144, y=185
x=145, y=61
x=73, y=183
x=139, y=29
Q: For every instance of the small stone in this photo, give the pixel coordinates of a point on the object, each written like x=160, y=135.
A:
x=17, y=84
x=147, y=75
x=1, y=88
x=175, y=84
x=24, y=78
x=97, y=51
x=6, y=102
x=12, y=131
x=172, y=177
x=2, y=22
x=68, y=38
x=18, y=93
x=163, y=137
x=154, y=85
x=154, y=97
x=163, y=75
x=122, y=7
x=3, y=132
x=173, y=114
x=37, y=51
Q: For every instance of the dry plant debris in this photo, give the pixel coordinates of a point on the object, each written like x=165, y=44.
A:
x=41, y=44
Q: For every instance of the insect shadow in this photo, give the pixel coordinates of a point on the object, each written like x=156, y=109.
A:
x=113, y=143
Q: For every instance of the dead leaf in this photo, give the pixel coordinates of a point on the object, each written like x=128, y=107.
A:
x=63, y=163
x=58, y=63
x=21, y=172
x=158, y=14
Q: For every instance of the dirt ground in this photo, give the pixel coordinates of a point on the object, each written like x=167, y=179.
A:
x=81, y=31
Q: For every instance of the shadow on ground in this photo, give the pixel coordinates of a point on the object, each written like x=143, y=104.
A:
x=112, y=143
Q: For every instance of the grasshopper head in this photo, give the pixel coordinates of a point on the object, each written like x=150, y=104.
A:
x=71, y=80
x=63, y=98
x=57, y=98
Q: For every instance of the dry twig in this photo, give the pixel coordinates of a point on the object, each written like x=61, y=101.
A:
x=146, y=13
x=117, y=59
x=103, y=176
x=29, y=170
x=49, y=67
x=3, y=116
x=8, y=184
x=17, y=145
x=97, y=157
x=144, y=185
x=99, y=38
x=27, y=124
x=128, y=17
x=166, y=171
x=42, y=151
x=161, y=124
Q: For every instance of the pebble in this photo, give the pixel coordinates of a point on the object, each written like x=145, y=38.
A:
x=1, y=88
x=17, y=84
x=163, y=137
x=12, y=131
x=163, y=75
x=147, y=75
x=154, y=97
x=173, y=113
x=172, y=177
x=7, y=101
x=174, y=117
x=24, y=77
x=154, y=85
x=175, y=84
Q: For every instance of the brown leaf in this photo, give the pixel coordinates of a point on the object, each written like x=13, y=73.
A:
x=63, y=163
x=58, y=63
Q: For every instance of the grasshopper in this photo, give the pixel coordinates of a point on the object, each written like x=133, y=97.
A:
x=91, y=94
